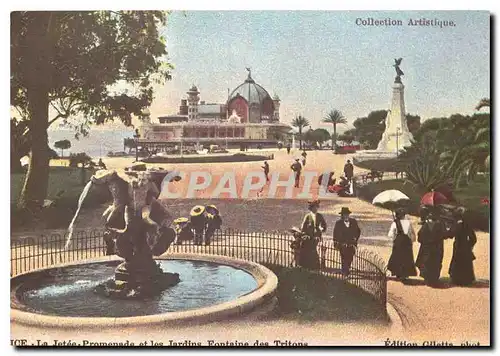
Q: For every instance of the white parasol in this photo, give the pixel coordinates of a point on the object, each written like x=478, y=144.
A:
x=390, y=199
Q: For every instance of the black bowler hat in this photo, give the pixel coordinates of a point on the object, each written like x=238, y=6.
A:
x=345, y=211
x=313, y=203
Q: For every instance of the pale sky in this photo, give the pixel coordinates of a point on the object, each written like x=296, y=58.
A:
x=320, y=60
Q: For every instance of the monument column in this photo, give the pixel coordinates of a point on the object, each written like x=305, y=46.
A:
x=396, y=135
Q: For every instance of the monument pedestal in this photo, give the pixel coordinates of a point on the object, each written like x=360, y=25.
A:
x=396, y=135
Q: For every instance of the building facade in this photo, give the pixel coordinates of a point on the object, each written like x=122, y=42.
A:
x=250, y=118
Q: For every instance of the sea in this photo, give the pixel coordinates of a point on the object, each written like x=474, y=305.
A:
x=97, y=144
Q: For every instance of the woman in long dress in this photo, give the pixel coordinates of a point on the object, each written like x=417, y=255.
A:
x=401, y=263
x=462, y=265
x=430, y=256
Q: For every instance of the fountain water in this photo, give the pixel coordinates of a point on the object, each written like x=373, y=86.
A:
x=137, y=238
x=80, y=203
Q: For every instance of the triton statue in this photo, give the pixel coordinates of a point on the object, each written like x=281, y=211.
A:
x=136, y=229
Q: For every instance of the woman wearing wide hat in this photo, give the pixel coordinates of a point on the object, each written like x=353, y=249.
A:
x=313, y=226
x=345, y=238
x=431, y=237
x=462, y=265
x=213, y=222
x=401, y=263
x=198, y=222
x=182, y=228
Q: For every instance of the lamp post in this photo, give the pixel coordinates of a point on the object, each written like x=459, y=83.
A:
x=136, y=140
x=398, y=130
x=182, y=135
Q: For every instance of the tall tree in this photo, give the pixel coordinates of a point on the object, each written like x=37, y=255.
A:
x=74, y=63
x=300, y=122
x=321, y=136
x=130, y=144
x=335, y=118
x=62, y=145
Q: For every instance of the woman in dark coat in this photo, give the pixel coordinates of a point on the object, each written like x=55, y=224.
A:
x=401, y=263
x=313, y=226
x=430, y=256
x=462, y=265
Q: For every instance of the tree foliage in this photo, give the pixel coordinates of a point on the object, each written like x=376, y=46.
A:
x=335, y=118
x=129, y=143
x=321, y=136
x=300, y=122
x=83, y=161
x=62, y=145
x=368, y=130
x=454, y=149
x=77, y=64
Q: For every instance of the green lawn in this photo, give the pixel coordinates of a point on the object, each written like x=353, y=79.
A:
x=60, y=178
x=308, y=296
x=64, y=179
x=469, y=197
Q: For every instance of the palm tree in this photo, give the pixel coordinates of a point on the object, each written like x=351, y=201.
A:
x=300, y=122
x=335, y=118
x=484, y=102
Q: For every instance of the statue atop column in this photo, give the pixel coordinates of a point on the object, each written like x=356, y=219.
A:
x=399, y=72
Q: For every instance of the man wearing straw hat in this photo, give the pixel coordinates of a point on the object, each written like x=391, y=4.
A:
x=198, y=223
x=345, y=238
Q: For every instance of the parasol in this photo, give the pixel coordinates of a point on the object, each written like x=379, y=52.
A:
x=295, y=230
x=390, y=199
x=433, y=198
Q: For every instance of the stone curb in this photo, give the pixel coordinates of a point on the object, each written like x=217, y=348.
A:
x=266, y=280
x=396, y=324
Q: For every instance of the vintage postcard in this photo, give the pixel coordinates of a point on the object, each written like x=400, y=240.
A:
x=250, y=178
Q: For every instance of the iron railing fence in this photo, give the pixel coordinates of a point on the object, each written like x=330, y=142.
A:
x=368, y=271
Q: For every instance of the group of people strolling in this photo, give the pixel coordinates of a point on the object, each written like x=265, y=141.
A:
x=431, y=237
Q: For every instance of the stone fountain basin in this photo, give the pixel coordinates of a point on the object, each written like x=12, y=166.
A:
x=261, y=296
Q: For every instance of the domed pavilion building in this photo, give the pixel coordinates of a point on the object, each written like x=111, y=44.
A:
x=252, y=102
x=249, y=118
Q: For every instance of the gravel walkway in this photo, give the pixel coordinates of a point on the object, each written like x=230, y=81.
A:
x=447, y=314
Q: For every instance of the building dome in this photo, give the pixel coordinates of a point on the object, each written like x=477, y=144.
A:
x=251, y=102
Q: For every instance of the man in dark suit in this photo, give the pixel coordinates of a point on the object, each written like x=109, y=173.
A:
x=296, y=168
x=345, y=238
x=265, y=167
x=349, y=170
